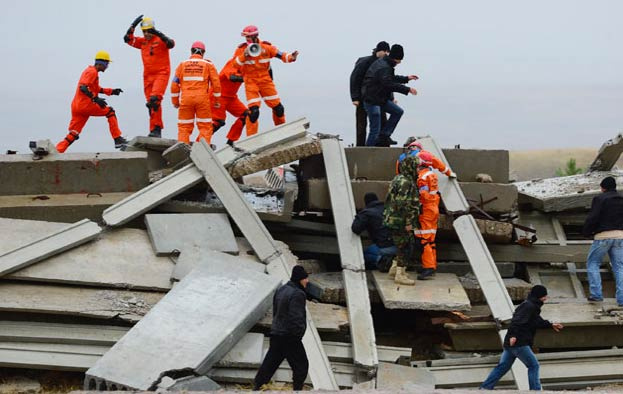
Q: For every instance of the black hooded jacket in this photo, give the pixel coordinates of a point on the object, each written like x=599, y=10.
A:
x=356, y=77
x=606, y=213
x=526, y=319
x=289, y=315
x=380, y=82
x=370, y=219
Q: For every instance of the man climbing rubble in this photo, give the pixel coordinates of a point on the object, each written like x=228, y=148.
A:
x=402, y=208
x=87, y=103
x=154, y=46
x=230, y=84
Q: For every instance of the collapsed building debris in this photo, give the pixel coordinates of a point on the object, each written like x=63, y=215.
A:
x=76, y=308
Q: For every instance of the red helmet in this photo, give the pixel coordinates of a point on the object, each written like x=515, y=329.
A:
x=249, y=31
x=426, y=158
x=198, y=45
x=415, y=144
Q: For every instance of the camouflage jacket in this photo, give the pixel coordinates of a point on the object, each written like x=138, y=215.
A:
x=402, y=204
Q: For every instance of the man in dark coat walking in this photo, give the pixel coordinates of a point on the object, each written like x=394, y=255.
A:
x=379, y=84
x=356, y=81
x=519, y=338
x=286, y=332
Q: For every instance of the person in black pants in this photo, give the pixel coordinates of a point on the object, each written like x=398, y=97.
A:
x=356, y=80
x=286, y=332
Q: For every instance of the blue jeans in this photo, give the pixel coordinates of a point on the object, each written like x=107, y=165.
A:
x=374, y=117
x=523, y=353
x=372, y=255
x=599, y=248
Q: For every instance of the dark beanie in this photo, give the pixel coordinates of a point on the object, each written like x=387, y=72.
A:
x=298, y=273
x=396, y=52
x=382, y=46
x=369, y=197
x=608, y=183
x=538, y=291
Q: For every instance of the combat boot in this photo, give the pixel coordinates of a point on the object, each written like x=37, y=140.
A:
x=402, y=278
x=120, y=143
x=392, y=270
x=156, y=132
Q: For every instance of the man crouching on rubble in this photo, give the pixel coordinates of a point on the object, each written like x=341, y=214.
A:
x=286, y=332
x=519, y=338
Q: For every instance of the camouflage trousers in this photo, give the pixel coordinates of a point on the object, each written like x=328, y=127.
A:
x=404, y=241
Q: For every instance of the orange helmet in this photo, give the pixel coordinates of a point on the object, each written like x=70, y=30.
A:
x=198, y=45
x=426, y=158
x=249, y=31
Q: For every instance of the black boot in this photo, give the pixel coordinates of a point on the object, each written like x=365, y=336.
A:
x=230, y=143
x=385, y=262
x=382, y=141
x=156, y=132
x=120, y=142
x=427, y=273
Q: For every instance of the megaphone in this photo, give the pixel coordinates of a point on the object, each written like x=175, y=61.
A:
x=254, y=49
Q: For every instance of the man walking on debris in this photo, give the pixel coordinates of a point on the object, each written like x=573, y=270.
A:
x=87, y=103
x=519, y=338
x=428, y=187
x=356, y=80
x=380, y=254
x=413, y=147
x=230, y=83
x=379, y=83
x=605, y=224
x=253, y=59
x=194, y=79
x=154, y=48
x=401, y=216
x=286, y=332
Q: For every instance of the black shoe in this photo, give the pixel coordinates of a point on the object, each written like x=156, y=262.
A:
x=426, y=274
x=391, y=142
x=382, y=142
x=156, y=132
x=230, y=143
x=212, y=146
x=120, y=142
x=594, y=299
x=385, y=262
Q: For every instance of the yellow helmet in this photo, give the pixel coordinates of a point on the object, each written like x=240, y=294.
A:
x=102, y=55
x=147, y=23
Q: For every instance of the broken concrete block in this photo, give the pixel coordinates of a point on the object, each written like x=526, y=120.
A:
x=215, y=305
x=517, y=289
x=462, y=268
x=191, y=258
x=194, y=383
x=177, y=155
x=493, y=198
x=608, y=154
x=49, y=245
x=442, y=293
x=73, y=173
x=315, y=194
x=154, y=147
x=396, y=377
x=247, y=353
x=468, y=163
x=328, y=287
x=175, y=232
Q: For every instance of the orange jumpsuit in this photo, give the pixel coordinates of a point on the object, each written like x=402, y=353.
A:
x=194, y=79
x=428, y=186
x=437, y=163
x=156, y=72
x=258, y=82
x=83, y=107
x=230, y=103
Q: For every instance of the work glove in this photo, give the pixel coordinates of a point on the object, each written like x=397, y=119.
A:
x=116, y=91
x=100, y=101
x=167, y=41
x=136, y=21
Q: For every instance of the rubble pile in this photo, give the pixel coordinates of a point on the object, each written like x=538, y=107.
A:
x=154, y=268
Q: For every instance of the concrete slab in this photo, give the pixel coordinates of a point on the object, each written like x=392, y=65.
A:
x=559, y=283
x=517, y=289
x=461, y=268
x=191, y=258
x=493, y=198
x=468, y=163
x=106, y=172
x=152, y=143
x=177, y=155
x=279, y=261
x=443, y=293
x=399, y=377
x=32, y=356
x=608, y=154
x=124, y=305
x=246, y=353
x=351, y=256
x=328, y=287
x=194, y=383
x=49, y=245
x=122, y=258
x=60, y=333
x=172, y=232
x=214, y=306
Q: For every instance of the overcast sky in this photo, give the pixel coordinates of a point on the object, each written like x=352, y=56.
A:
x=493, y=74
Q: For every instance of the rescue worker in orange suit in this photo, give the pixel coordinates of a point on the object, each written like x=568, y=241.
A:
x=154, y=48
x=428, y=186
x=230, y=84
x=413, y=148
x=87, y=103
x=258, y=82
x=194, y=81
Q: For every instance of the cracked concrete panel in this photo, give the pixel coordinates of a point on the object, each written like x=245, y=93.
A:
x=442, y=293
x=191, y=258
x=400, y=377
x=191, y=328
x=176, y=232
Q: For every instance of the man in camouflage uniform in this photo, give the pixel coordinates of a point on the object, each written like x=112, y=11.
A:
x=401, y=214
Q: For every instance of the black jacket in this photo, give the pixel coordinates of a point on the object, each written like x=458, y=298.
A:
x=526, y=319
x=370, y=219
x=356, y=77
x=606, y=214
x=380, y=82
x=289, y=315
